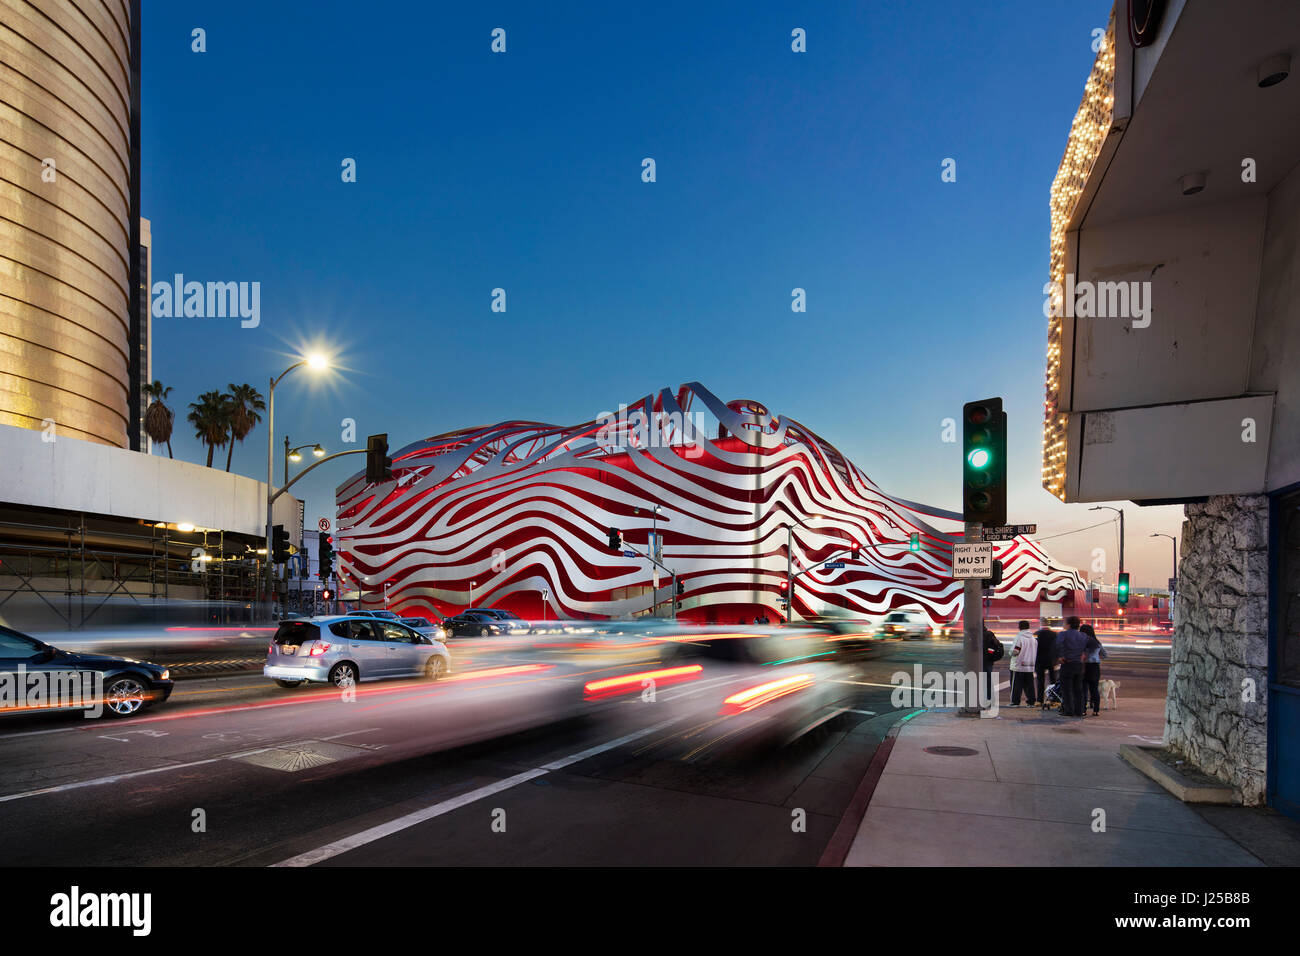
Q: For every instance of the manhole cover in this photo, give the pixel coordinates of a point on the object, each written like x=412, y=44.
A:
x=951, y=751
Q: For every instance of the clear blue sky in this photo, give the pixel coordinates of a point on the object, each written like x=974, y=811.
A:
x=522, y=170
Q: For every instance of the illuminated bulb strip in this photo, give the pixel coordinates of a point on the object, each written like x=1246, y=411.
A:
x=1088, y=131
x=765, y=693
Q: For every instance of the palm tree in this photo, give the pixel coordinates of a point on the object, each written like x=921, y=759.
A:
x=245, y=403
x=158, y=418
x=211, y=418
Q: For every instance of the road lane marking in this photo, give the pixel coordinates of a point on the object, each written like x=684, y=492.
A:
x=97, y=781
x=337, y=847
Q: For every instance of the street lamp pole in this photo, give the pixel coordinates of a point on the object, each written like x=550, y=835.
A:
x=314, y=361
x=1120, y=512
x=1157, y=534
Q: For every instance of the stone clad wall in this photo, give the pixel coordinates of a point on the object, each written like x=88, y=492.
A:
x=1221, y=640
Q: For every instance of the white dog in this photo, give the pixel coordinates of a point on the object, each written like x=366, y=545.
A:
x=1108, y=688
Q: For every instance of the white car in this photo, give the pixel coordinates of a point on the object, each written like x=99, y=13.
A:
x=342, y=650
x=905, y=624
x=425, y=627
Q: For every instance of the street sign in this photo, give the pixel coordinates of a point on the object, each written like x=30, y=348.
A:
x=1007, y=531
x=972, y=559
x=629, y=554
x=324, y=525
x=832, y=565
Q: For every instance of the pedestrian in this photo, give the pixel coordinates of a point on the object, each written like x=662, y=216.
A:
x=1093, y=655
x=1070, y=645
x=993, y=652
x=1024, y=652
x=1045, y=662
x=760, y=619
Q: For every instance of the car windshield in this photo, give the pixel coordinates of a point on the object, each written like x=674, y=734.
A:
x=896, y=618
x=415, y=621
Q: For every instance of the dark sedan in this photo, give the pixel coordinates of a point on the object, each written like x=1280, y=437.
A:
x=121, y=686
x=475, y=624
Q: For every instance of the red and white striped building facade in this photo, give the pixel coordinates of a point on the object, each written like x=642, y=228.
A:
x=523, y=510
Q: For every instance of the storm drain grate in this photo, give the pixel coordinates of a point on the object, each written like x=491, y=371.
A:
x=294, y=757
x=951, y=751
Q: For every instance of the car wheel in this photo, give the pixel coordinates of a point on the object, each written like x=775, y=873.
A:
x=343, y=675
x=124, y=696
x=484, y=632
x=287, y=683
x=436, y=669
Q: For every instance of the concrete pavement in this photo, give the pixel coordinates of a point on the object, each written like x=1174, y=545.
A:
x=1033, y=789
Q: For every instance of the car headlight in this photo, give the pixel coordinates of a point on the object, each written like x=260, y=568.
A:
x=165, y=675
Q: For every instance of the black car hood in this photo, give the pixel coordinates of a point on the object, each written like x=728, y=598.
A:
x=100, y=660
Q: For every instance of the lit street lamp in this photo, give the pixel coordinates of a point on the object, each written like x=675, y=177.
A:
x=291, y=454
x=316, y=362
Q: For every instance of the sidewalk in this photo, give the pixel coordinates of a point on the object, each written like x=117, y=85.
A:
x=1030, y=792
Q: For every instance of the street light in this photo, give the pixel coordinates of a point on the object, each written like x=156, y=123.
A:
x=317, y=362
x=1120, y=512
x=291, y=454
x=1157, y=534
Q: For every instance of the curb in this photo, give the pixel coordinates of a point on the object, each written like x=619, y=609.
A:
x=1142, y=760
x=837, y=850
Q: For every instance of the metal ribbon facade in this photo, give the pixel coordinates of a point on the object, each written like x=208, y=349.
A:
x=517, y=515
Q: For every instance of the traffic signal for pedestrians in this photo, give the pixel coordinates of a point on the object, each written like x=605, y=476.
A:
x=615, y=539
x=855, y=553
x=984, y=462
x=326, y=567
x=378, y=465
x=914, y=542
x=1121, y=593
x=327, y=595
x=279, y=544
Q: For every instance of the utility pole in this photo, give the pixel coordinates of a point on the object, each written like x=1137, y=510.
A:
x=972, y=619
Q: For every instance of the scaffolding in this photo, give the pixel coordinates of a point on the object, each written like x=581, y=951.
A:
x=72, y=570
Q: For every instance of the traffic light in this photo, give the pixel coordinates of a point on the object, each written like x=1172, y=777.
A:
x=615, y=539
x=326, y=568
x=279, y=544
x=984, y=462
x=914, y=542
x=378, y=465
x=327, y=595
x=995, y=575
x=1121, y=593
x=856, y=553
x=681, y=587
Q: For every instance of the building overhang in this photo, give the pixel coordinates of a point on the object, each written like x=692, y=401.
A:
x=1158, y=377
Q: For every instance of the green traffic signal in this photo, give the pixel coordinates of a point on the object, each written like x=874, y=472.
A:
x=914, y=543
x=1121, y=595
x=979, y=458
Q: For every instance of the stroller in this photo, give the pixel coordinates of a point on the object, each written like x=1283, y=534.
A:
x=1052, y=696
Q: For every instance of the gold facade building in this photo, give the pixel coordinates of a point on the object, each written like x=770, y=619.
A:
x=69, y=217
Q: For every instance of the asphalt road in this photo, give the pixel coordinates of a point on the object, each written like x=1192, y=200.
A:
x=236, y=771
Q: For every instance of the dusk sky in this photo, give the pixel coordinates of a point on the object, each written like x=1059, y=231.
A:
x=523, y=171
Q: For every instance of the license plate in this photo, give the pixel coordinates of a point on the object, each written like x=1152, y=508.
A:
x=289, y=650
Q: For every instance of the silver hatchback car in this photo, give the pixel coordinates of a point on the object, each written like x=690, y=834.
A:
x=342, y=650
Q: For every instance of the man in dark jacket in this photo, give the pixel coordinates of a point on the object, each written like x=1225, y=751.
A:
x=1071, y=646
x=1045, y=662
x=993, y=652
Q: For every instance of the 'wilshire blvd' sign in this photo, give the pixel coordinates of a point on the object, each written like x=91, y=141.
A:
x=972, y=559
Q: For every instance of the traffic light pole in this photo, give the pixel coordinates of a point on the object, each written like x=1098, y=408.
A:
x=972, y=619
